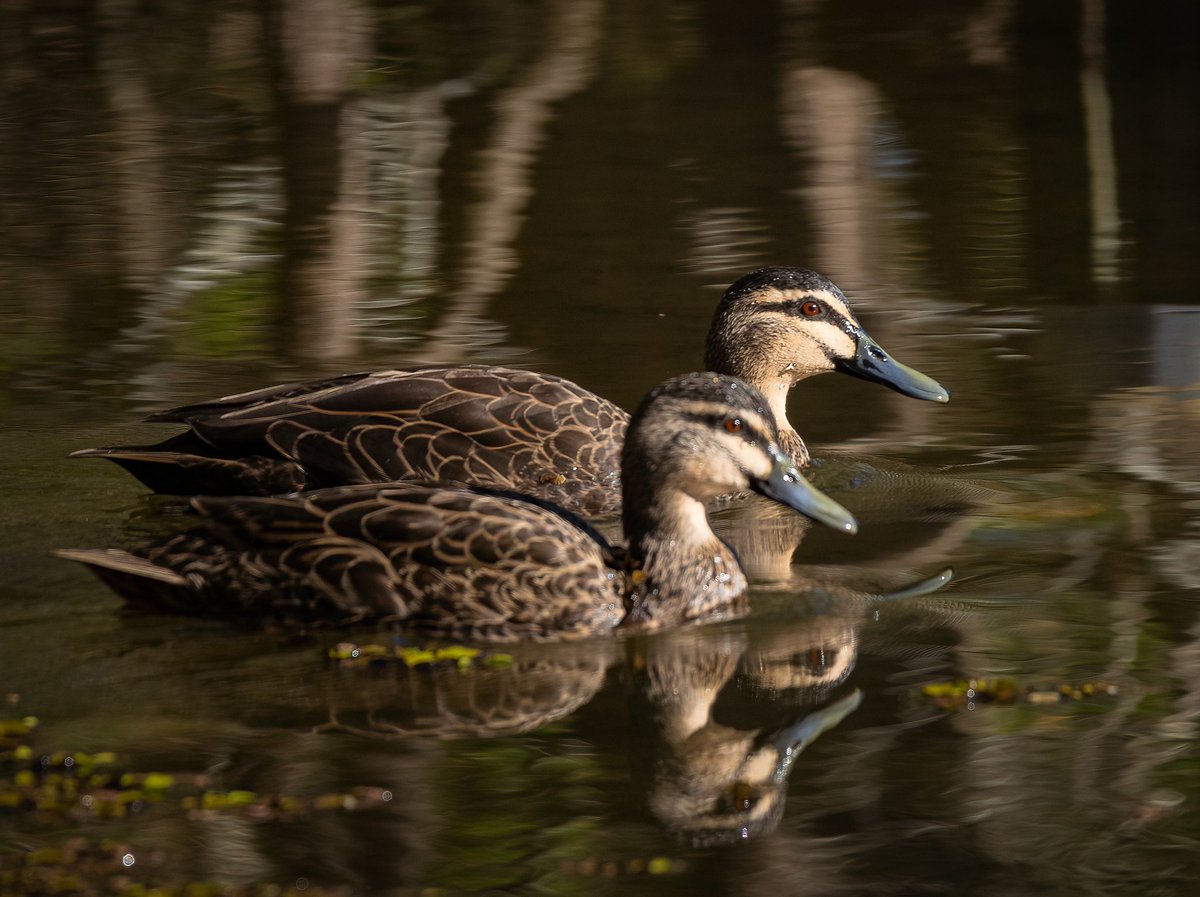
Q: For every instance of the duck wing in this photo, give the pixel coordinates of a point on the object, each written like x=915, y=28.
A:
x=504, y=428
x=463, y=563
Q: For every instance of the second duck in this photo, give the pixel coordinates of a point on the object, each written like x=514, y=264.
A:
x=510, y=429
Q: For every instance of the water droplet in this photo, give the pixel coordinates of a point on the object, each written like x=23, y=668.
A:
x=128, y=860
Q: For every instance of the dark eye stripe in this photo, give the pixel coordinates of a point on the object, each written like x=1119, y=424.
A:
x=829, y=314
x=750, y=431
x=792, y=308
x=757, y=424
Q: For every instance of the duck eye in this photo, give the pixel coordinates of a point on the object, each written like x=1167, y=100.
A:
x=739, y=797
x=733, y=425
x=811, y=308
x=811, y=661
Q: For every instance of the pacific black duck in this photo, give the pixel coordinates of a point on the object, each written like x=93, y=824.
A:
x=510, y=429
x=479, y=564
x=708, y=780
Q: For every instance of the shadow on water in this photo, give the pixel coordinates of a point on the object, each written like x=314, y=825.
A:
x=201, y=199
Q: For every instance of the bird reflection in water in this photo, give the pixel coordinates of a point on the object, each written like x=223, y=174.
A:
x=535, y=685
x=708, y=781
x=717, y=715
x=720, y=716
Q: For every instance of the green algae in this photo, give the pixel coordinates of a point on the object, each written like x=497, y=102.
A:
x=355, y=656
x=50, y=796
x=962, y=694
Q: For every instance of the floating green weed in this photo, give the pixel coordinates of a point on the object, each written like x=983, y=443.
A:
x=355, y=656
x=965, y=694
x=46, y=791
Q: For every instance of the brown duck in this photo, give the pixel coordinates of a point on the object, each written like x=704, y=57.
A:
x=472, y=563
x=534, y=433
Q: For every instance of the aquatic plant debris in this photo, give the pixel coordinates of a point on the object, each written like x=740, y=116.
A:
x=81, y=786
x=352, y=655
x=592, y=867
x=966, y=694
x=46, y=791
x=80, y=867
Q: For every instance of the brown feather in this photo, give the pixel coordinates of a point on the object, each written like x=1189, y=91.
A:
x=498, y=427
x=465, y=562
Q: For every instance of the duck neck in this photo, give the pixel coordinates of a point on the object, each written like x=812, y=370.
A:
x=725, y=352
x=790, y=442
x=679, y=568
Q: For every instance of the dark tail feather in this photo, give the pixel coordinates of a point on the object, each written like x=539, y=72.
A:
x=331, y=581
x=142, y=583
x=186, y=473
x=232, y=404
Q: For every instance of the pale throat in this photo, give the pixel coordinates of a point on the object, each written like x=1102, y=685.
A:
x=688, y=572
x=683, y=521
x=674, y=535
x=789, y=440
x=777, y=396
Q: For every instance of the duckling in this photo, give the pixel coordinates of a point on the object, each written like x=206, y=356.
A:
x=533, y=433
x=473, y=563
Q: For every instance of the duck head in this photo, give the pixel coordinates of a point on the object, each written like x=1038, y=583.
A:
x=777, y=326
x=702, y=435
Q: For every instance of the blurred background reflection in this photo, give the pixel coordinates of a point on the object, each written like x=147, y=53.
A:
x=197, y=199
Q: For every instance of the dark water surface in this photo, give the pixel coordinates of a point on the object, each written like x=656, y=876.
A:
x=197, y=199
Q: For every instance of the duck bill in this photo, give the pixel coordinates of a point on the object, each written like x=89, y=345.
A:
x=786, y=486
x=795, y=738
x=872, y=363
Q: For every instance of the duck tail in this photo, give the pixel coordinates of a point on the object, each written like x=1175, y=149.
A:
x=187, y=473
x=141, y=582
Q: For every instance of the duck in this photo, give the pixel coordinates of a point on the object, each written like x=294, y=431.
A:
x=471, y=563
x=708, y=779
x=530, y=432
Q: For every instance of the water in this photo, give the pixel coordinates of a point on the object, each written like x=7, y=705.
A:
x=201, y=200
